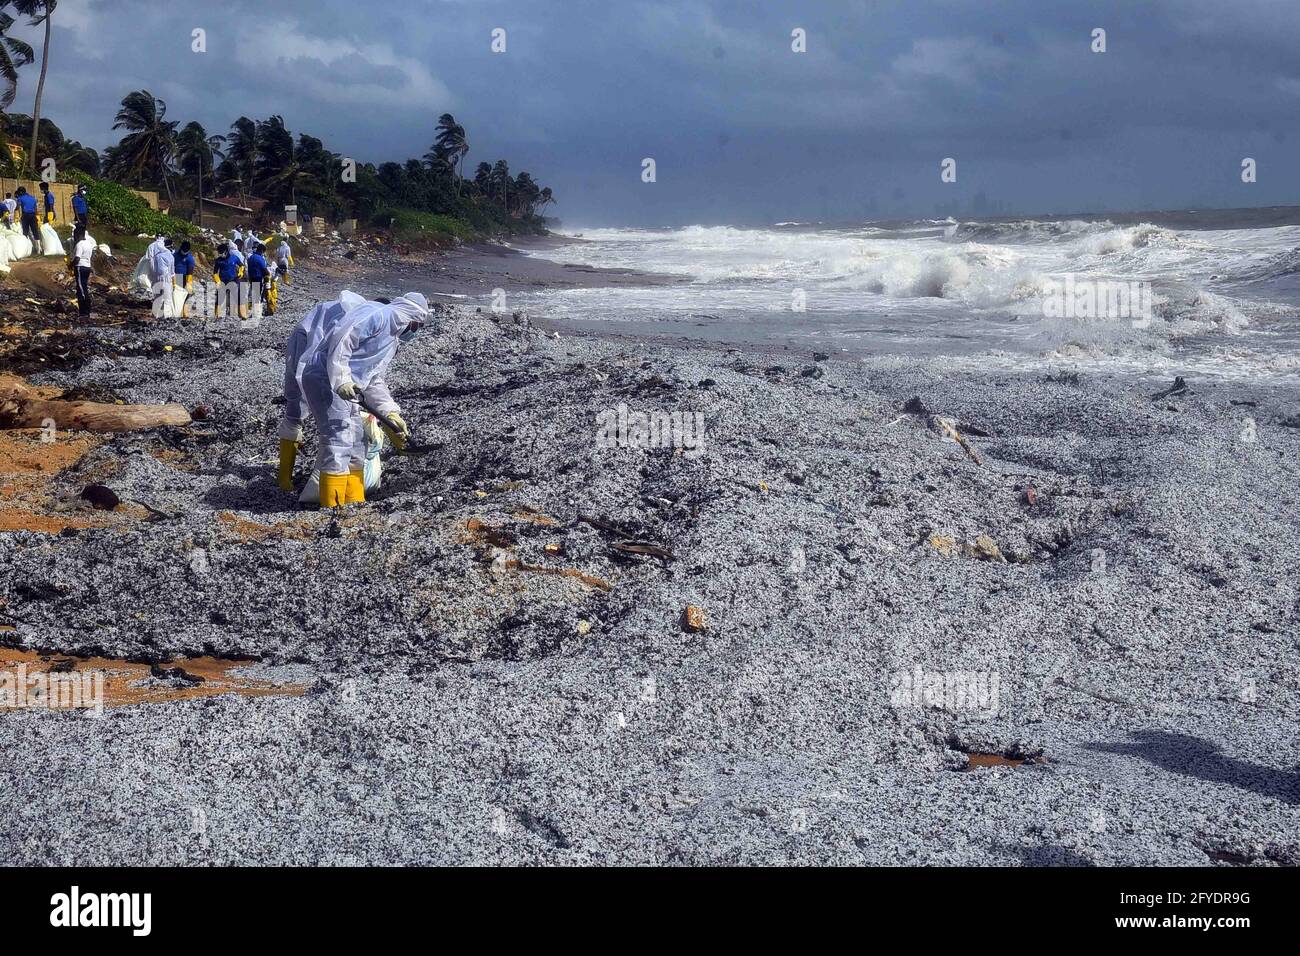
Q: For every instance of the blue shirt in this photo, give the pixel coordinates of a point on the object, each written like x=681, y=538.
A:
x=227, y=269
x=257, y=268
x=49, y=202
x=79, y=204
x=184, y=263
x=27, y=201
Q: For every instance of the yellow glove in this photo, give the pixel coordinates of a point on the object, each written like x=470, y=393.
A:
x=398, y=424
x=348, y=391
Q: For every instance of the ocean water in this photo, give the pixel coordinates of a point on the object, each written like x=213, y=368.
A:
x=1212, y=293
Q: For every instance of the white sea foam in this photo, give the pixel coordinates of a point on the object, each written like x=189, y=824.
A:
x=940, y=285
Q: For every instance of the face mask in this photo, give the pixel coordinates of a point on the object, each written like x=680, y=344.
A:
x=408, y=335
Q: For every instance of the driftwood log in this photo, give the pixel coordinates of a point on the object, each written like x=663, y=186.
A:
x=21, y=407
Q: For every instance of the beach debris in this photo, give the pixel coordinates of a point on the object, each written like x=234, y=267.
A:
x=1064, y=377
x=694, y=619
x=1030, y=494
x=201, y=413
x=584, y=628
x=507, y=563
x=478, y=531
x=821, y=356
x=942, y=544
x=100, y=497
x=948, y=429
x=175, y=675
x=914, y=406
x=985, y=548
x=642, y=549
x=23, y=410
x=600, y=524
x=1178, y=388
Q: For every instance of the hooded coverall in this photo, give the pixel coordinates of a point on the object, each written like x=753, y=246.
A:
x=356, y=347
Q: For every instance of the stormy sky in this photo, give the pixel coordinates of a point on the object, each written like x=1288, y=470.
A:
x=741, y=128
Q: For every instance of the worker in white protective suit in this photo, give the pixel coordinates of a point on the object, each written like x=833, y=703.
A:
x=162, y=269
x=349, y=365
x=305, y=338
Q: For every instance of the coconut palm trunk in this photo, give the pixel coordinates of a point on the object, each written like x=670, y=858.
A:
x=40, y=91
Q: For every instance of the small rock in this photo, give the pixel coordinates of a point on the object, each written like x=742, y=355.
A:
x=199, y=561
x=693, y=619
x=943, y=544
x=985, y=549
x=101, y=496
x=201, y=413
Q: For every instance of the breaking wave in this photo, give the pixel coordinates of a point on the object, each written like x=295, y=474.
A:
x=944, y=284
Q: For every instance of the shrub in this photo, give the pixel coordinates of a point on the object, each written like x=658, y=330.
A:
x=119, y=208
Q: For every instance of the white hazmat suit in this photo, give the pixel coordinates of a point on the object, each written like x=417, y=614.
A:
x=345, y=345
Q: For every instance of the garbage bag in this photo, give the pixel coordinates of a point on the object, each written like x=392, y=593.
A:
x=50, y=244
x=20, y=247
x=142, y=278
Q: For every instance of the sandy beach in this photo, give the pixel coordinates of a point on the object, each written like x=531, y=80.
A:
x=874, y=610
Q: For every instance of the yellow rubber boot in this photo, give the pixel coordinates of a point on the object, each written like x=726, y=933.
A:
x=333, y=490
x=357, y=486
x=288, y=455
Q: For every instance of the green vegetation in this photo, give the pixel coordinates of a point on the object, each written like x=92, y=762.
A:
x=413, y=226
x=262, y=159
x=122, y=210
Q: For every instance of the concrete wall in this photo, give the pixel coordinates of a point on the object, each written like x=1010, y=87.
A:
x=63, y=197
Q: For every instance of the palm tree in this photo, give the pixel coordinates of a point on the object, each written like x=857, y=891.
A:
x=72, y=155
x=146, y=154
x=284, y=165
x=545, y=199
x=242, y=152
x=38, y=12
x=527, y=192
x=501, y=184
x=450, y=146
x=13, y=54
x=196, y=151
x=483, y=178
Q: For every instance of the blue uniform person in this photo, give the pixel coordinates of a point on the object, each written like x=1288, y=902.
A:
x=258, y=273
x=80, y=209
x=183, y=276
x=27, y=209
x=351, y=362
x=226, y=270
x=49, y=201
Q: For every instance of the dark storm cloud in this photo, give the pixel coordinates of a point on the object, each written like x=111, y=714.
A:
x=741, y=128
